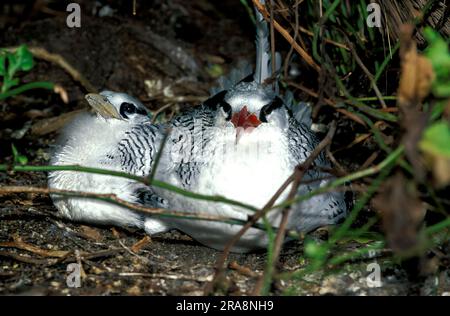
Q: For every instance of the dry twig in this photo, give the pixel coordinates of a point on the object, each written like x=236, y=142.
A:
x=308, y=59
x=329, y=102
x=111, y=198
x=299, y=172
x=368, y=74
x=59, y=60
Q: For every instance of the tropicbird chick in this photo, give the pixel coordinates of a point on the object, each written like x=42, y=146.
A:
x=120, y=137
x=243, y=143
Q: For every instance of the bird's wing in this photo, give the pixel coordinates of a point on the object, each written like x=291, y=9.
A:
x=319, y=210
x=144, y=195
x=302, y=142
x=136, y=151
x=191, y=133
x=301, y=111
x=322, y=209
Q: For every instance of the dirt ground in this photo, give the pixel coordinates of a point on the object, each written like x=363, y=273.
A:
x=177, y=42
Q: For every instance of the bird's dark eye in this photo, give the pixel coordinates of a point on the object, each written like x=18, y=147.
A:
x=127, y=108
x=268, y=108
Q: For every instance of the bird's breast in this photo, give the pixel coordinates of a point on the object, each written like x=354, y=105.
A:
x=250, y=170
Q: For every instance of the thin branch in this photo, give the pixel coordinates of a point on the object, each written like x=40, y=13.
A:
x=326, y=40
x=151, y=177
x=112, y=198
x=367, y=72
x=144, y=180
x=308, y=59
x=166, y=276
x=59, y=60
x=291, y=49
x=299, y=173
x=392, y=157
x=300, y=28
x=272, y=38
x=341, y=170
x=329, y=102
x=19, y=244
x=160, y=110
x=220, y=263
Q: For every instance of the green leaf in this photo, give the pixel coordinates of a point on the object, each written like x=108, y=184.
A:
x=436, y=139
x=215, y=71
x=24, y=58
x=439, y=55
x=437, y=51
x=13, y=82
x=12, y=64
x=14, y=151
x=18, y=158
x=2, y=64
x=314, y=250
x=442, y=90
x=7, y=84
x=23, y=160
x=21, y=59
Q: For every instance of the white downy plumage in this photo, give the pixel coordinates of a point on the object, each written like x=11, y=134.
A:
x=117, y=137
x=243, y=143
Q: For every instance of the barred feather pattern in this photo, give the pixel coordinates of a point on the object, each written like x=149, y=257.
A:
x=189, y=164
x=137, y=152
x=137, y=149
x=333, y=205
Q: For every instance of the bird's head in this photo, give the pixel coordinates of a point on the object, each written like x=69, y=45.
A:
x=249, y=106
x=116, y=105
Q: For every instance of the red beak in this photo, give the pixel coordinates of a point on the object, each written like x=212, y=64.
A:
x=245, y=119
x=244, y=122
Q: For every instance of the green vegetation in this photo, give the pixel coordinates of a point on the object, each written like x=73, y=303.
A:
x=11, y=63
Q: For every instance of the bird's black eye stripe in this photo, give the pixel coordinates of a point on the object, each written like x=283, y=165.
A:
x=218, y=100
x=215, y=100
x=141, y=111
x=268, y=108
x=249, y=78
x=127, y=108
x=226, y=108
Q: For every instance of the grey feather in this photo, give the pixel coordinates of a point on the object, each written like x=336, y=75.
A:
x=263, y=69
x=147, y=197
x=301, y=111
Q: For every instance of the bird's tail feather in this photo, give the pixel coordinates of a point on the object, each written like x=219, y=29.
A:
x=263, y=68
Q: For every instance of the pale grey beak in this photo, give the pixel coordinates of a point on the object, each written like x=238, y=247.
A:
x=102, y=106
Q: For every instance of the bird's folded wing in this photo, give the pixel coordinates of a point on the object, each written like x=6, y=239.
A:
x=301, y=111
x=145, y=196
